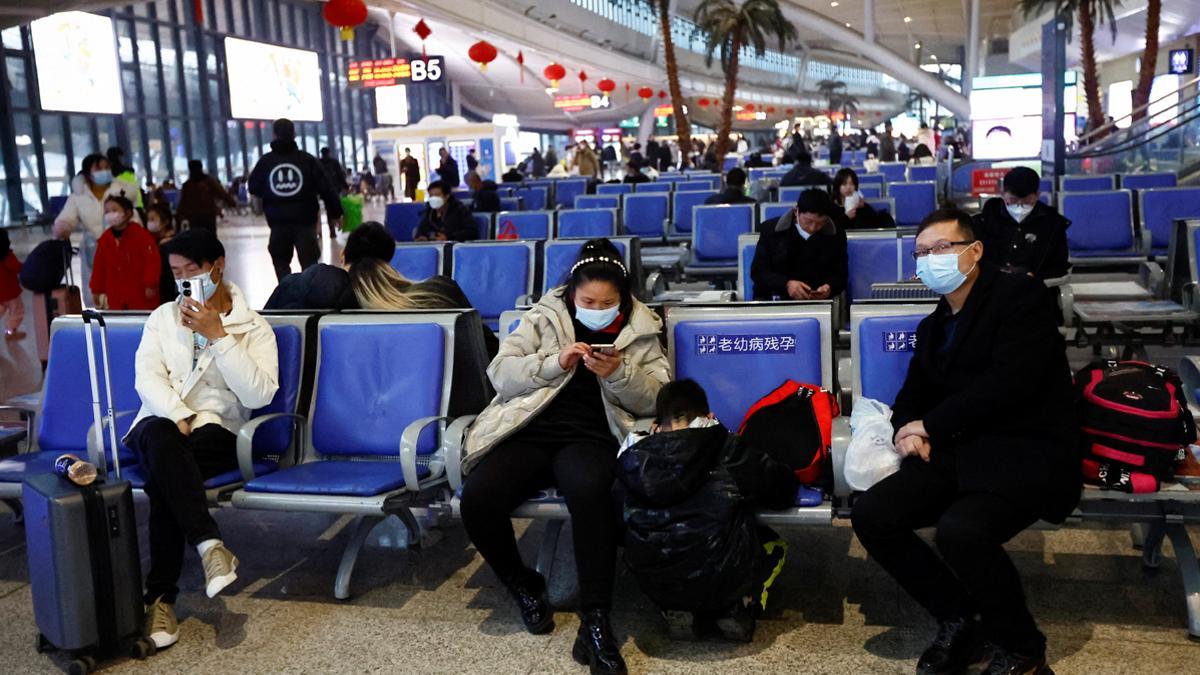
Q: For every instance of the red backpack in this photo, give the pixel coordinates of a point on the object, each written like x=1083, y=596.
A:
x=794, y=426
x=1134, y=424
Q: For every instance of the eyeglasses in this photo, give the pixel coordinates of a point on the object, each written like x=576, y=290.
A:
x=940, y=247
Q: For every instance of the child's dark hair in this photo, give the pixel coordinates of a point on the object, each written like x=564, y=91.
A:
x=599, y=260
x=681, y=399
x=121, y=201
x=163, y=210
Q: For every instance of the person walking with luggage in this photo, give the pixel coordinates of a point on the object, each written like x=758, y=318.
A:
x=203, y=364
x=84, y=210
x=12, y=307
x=289, y=181
x=561, y=408
x=128, y=267
x=201, y=198
x=985, y=423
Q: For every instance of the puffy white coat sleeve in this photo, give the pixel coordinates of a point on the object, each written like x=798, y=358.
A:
x=528, y=358
x=250, y=365
x=635, y=383
x=152, y=380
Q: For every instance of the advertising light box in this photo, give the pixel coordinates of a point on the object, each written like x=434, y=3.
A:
x=1006, y=115
x=267, y=82
x=391, y=105
x=76, y=58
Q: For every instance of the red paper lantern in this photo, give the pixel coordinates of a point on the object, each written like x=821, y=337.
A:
x=790, y=111
x=703, y=103
x=627, y=92
x=423, y=31
x=749, y=107
x=345, y=15
x=662, y=94
x=483, y=53
x=554, y=73
x=521, y=65
x=582, y=79
x=645, y=93
x=606, y=85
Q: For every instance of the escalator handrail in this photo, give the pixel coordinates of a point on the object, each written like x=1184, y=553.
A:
x=1111, y=126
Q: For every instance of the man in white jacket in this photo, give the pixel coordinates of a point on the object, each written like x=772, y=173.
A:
x=204, y=363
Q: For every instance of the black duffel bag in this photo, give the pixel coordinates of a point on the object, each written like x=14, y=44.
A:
x=46, y=265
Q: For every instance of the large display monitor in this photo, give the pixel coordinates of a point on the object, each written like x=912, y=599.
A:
x=1006, y=115
x=76, y=58
x=391, y=105
x=267, y=82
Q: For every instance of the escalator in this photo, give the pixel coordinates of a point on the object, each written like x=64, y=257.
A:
x=1167, y=140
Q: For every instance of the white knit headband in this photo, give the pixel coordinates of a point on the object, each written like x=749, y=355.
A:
x=610, y=261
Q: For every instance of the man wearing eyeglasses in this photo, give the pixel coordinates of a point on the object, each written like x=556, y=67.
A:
x=802, y=254
x=984, y=423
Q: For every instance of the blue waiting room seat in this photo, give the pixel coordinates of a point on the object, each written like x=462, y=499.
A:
x=421, y=260
x=919, y=173
x=1087, y=182
x=913, y=201
x=494, y=275
x=646, y=215
x=567, y=189
x=533, y=198
x=663, y=186
x=401, y=219
x=587, y=223
x=893, y=172
x=747, y=245
x=559, y=255
x=598, y=201
x=1159, y=208
x=525, y=224
x=614, y=188
x=683, y=204
x=1144, y=181
x=1102, y=228
x=715, y=238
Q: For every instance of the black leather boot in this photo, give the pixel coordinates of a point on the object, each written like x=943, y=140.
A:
x=596, y=646
x=530, y=594
x=955, y=647
x=1005, y=662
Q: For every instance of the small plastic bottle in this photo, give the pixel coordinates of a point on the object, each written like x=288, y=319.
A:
x=75, y=470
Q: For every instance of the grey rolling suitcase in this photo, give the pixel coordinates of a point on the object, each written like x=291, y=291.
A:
x=84, y=565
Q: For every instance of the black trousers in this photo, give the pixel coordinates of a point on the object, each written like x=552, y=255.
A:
x=207, y=222
x=288, y=236
x=176, y=467
x=973, y=574
x=511, y=473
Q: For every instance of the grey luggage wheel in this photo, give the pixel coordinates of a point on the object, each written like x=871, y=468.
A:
x=41, y=645
x=141, y=648
x=81, y=665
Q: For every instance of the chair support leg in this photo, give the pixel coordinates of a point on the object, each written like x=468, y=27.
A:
x=1189, y=569
x=1152, y=540
x=545, y=558
x=18, y=509
x=362, y=529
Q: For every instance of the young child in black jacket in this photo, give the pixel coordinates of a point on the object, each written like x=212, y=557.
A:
x=689, y=491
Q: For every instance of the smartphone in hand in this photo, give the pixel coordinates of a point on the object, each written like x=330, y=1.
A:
x=606, y=349
x=194, y=290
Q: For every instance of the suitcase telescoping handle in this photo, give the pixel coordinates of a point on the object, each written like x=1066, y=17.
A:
x=90, y=315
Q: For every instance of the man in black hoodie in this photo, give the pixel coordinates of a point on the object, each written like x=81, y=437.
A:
x=803, y=173
x=289, y=181
x=328, y=286
x=802, y=255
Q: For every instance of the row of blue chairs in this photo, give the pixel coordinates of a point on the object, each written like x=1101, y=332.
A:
x=1120, y=225
x=887, y=172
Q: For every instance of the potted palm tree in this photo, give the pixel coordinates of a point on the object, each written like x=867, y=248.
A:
x=683, y=128
x=729, y=27
x=1141, y=94
x=829, y=89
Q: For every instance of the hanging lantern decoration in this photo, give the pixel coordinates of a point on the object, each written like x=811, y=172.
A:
x=582, y=79
x=606, y=86
x=790, y=111
x=423, y=31
x=771, y=110
x=627, y=92
x=198, y=11
x=703, y=103
x=749, y=107
x=554, y=73
x=645, y=93
x=521, y=65
x=344, y=15
x=662, y=94
x=483, y=53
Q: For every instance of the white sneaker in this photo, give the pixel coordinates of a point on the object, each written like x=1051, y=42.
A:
x=220, y=569
x=161, y=626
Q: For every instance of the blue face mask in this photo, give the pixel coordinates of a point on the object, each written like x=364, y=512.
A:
x=102, y=177
x=595, y=319
x=940, y=272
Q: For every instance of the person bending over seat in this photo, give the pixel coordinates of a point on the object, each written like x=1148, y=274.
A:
x=377, y=285
x=560, y=409
x=328, y=286
x=203, y=364
x=802, y=254
x=445, y=217
x=803, y=173
x=735, y=190
x=692, y=465
x=984, y=423
x=1020, y=233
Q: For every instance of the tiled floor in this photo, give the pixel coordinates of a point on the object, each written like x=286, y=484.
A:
x=441, y=611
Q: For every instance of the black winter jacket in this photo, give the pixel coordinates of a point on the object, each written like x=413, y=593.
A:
x=289, y=181
x=1037, y=244
x=782, y=255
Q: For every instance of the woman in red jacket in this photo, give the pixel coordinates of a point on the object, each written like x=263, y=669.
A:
x=12, y=308
x=126, y=270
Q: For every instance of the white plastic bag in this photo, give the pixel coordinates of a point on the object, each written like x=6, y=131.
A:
x=871, y=456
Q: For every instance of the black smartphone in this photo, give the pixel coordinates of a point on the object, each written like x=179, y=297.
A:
x=606, y=349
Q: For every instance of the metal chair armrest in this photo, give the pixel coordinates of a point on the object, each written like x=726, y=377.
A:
x=94, y=454
x=28, y=415
x=452, y=449
x=1066, y=302
x=245, y=440
x=408, y=449
x=1147, y=242
x=841, y=443
x=1153, y=277
x=1058, y=282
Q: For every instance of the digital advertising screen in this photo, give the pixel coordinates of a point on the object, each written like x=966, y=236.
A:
x=76, y=58
x=391, y=105
x=1006, y=115
x=267, y=82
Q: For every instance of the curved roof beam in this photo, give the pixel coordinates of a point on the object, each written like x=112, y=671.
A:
x=895, y=64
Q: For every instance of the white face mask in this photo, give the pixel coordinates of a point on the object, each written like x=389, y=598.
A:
x=114, y=218
x=436, y=203
x=154, y=225
x=1019, y=211
x=595, y=319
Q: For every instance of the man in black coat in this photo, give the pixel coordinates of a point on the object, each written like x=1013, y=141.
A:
x=289, y=181
x=984, y=423
x=802, y=173
x=328, y=286
x=445, y=217
x=485, y=194
x=802, y=255
x=835, y=148
x=1021, y=234
x=448, y=170
x=735, y=190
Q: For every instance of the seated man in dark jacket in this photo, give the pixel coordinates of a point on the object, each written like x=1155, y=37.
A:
x=1020, y=233
x=327, y=286
x=485, y=195
x=802, y=254
x=984, y=423
x=735, y=190
x=445, y=218
x=633, y=173
x=689, y=492
x=803, y=173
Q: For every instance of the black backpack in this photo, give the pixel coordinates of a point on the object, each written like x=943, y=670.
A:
x=46, y=265
x=1134, y=424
